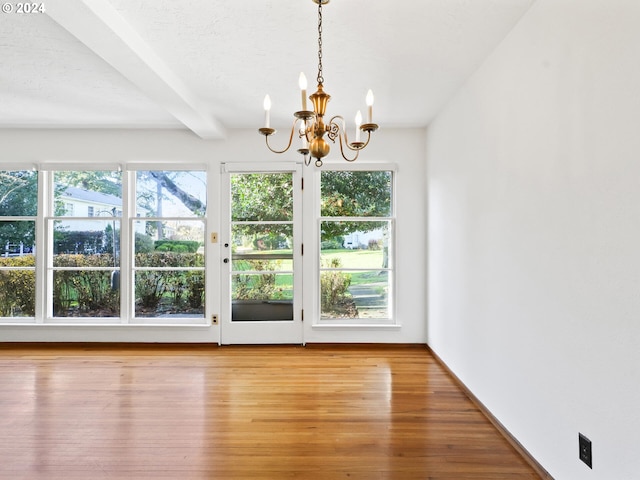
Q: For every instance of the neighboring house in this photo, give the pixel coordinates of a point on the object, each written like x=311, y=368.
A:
x=78, y=202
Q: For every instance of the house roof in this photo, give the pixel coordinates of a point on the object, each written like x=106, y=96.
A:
x=88, y=196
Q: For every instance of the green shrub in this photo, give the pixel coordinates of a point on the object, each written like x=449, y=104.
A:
x=334, y=286
x=334, y=243
x=152, y=285
x=17, y=287
x=143, y=243
x=184, y=246
x=88, y=290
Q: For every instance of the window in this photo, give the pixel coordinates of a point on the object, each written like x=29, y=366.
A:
x=18, y=211
x=169, y=230
x=102, y=260
x=84, y=267
x=356, y=240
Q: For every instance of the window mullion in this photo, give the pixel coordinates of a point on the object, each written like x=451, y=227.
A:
x=127, y=242
x=44, y=290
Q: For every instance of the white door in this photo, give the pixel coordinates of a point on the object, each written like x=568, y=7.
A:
x=261, y=243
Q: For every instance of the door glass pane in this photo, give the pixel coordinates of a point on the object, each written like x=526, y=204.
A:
x=262, y=197
x=262, y=247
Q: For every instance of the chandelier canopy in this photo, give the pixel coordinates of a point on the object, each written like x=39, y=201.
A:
x=309, y=125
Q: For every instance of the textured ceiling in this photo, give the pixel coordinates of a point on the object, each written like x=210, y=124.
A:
x=206, y=65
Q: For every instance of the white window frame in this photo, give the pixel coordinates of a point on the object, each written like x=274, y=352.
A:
x=44, y=222
x=49, y=220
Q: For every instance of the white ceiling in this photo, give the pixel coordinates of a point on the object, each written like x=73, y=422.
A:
x=206, y=65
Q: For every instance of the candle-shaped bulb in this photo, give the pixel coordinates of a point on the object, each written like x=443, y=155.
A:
x=358, y=123
x=370, y=106
x=302, y=81
x=267, y=107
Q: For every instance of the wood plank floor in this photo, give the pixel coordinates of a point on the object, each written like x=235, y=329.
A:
x=180, y=412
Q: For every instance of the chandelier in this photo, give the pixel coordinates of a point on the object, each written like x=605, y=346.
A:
x=309, y=125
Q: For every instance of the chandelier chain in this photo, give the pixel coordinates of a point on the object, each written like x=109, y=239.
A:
x=320, y=77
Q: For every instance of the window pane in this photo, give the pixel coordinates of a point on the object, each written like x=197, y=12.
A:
x=18, y=193
x=183, y=247
x=90, y=238
x=266, y=286
x=354, y=244
x=17, y=238
x=85, y=293
x=177, y=236
x=355, y=194
x=167, y=193
x=17, y=288
x=262, y=197
x=354, y=294
x=170, y=293
x=76, y=191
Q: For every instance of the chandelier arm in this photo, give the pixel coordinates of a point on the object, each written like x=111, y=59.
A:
x=293, y=129
x=360, y=146
x=342, y=149
x=336, y=130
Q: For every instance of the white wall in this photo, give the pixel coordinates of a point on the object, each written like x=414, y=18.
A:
x=406, y=148
x=534, y=235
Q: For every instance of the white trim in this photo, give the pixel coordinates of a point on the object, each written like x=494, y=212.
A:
x=81, y=166
x=11, y=166
x=356, y=326
x=155, y=165
x=359, y=167
x=261, y=167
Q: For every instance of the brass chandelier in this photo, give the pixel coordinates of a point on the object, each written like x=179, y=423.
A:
x=309, y=125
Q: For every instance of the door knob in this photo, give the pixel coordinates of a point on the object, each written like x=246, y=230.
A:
x=226, y=260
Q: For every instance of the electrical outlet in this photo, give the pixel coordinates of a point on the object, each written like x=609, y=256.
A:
x=585, y=449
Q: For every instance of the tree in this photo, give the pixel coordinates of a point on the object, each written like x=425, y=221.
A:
x=354, y=194
x=107, y=182
x=262, y=197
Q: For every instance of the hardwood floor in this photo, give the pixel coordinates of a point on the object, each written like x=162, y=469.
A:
x=181, y=412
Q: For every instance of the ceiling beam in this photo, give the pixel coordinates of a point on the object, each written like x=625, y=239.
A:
x=99, y=26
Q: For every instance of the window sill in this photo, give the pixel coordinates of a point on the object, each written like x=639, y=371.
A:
x=367, y=326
